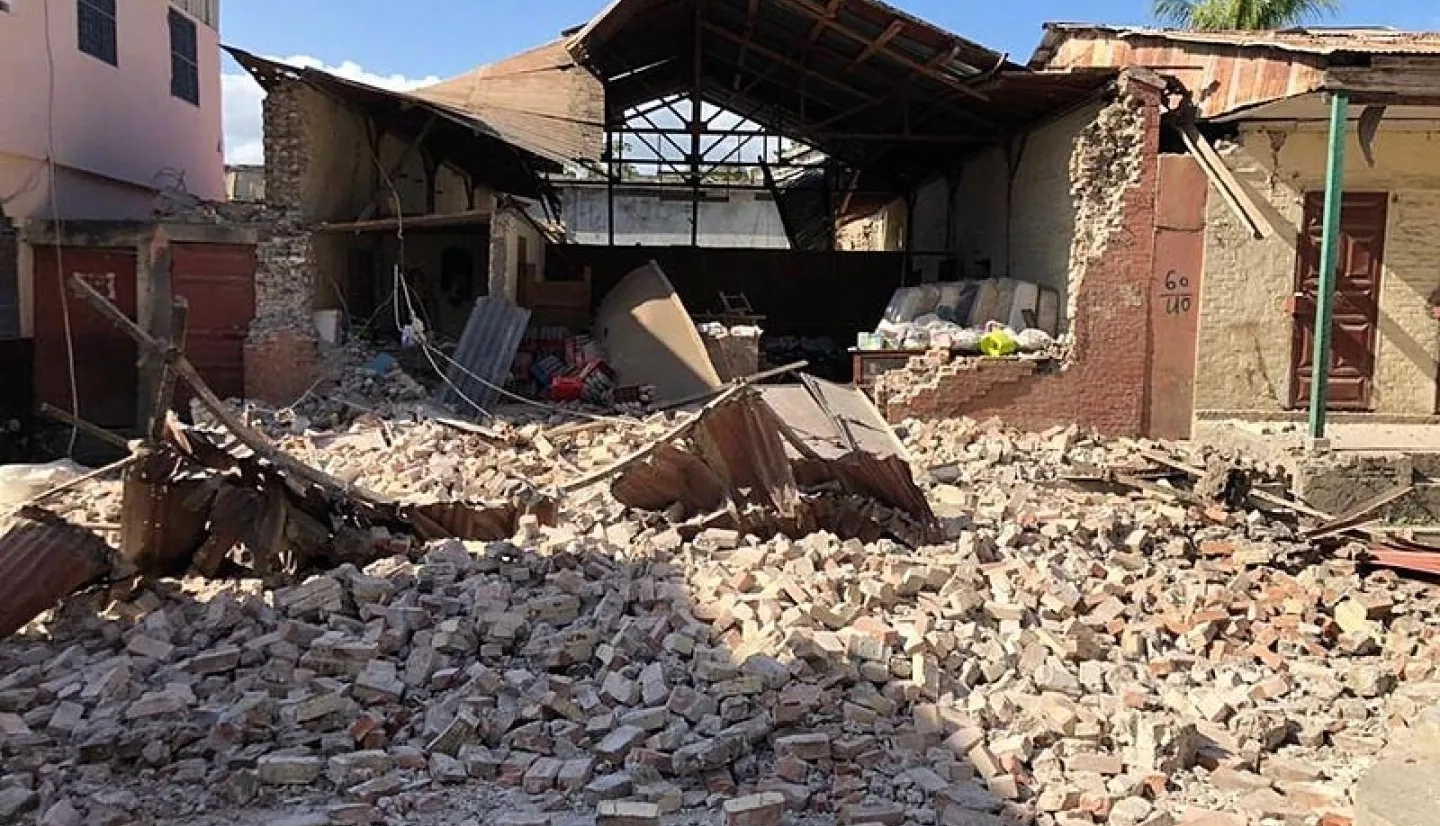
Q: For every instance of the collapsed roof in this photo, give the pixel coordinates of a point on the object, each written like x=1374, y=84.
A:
x=502, y=124
x=861, y=81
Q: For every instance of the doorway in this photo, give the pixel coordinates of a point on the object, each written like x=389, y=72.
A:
x=1355, y=326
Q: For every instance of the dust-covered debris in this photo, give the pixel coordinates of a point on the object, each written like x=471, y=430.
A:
x=1067, y=654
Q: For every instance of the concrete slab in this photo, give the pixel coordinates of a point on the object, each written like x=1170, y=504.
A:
x=1399, y=794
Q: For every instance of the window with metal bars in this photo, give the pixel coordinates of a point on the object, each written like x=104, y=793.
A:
x=184, y=59
x=97, y=30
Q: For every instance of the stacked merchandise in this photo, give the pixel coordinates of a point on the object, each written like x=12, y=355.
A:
x=994, y=317
x=554, y=363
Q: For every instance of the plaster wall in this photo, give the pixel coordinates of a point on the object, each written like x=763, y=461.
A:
x=1244, y=362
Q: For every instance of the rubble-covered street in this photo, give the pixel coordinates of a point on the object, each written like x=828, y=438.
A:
x=1067, y=654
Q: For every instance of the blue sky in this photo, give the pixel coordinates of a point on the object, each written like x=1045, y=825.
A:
x=408, y=43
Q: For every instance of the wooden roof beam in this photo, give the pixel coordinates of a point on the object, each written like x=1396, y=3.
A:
x=890, y=33
x=825, y=21
x=832, y=10
x=785, y=61
x=752, y=19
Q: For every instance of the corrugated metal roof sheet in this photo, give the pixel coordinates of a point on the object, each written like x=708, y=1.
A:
x=483, y=111
x=1316, y=40
x=540, y=99
x=43, y=559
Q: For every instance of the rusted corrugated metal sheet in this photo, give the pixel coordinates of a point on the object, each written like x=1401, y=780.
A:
x=486, y=350
x=741, y=442
x=849, y=442
x=1328, y=41
x=1223, y=76
x=789, y=459
x=1420, y=562
x=161, y=526
x=540, y=99
x=42, y=560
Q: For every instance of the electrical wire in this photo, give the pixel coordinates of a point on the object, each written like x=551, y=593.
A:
x=400, y=287
x=59, y=233
x=532, y=402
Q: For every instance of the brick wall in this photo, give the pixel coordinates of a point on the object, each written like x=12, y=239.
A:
x=281, y=351
x=280, y=367
x=1103, y=381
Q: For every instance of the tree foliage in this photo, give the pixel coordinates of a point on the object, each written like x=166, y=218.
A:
x=1242, y=15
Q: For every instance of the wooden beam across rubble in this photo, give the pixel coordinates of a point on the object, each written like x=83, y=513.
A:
x=291, y=516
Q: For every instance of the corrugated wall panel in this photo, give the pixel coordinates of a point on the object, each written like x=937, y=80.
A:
x=487, y=349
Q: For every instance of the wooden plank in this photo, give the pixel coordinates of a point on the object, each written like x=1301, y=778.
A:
x=890, y=33
x=1260, y=495
x=1234, y=192
x=94, y=431
x=1387, y=80
x=1362, y=515
x=244, y=433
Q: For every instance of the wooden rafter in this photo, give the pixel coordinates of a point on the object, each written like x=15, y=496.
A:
x=832, y=10
x=890, y=33
x=752, y=19
x=823, y=20
x=785, y=61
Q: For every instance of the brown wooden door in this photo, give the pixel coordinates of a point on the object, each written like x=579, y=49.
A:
x=218, y=281
x=1357, y=300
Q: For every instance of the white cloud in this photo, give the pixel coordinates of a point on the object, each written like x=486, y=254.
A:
x=244, y=131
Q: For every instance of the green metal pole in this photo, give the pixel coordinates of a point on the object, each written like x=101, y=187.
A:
x=1329, y=259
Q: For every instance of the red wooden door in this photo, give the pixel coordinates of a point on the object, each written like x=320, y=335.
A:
x=218, y=281
x=106, y=371
x=1355, y=327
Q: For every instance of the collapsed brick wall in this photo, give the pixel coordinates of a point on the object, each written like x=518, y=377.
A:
x=1102, y=381
x=282, y=350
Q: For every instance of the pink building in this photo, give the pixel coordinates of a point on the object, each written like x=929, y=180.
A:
x=105, y=102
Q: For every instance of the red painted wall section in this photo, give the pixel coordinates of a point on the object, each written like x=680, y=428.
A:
x=1175, y=295
x=106, y=371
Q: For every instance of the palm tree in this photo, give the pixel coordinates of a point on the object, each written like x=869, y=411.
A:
x=1241, y=15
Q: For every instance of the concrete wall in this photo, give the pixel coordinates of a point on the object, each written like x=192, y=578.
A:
x=1245, y=328
x=115, y=128
x=645, y=217
x=509, y=233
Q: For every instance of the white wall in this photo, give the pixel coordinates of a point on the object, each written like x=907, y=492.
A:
x=115, y=128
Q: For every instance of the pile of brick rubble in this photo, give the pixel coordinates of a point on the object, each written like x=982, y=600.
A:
x=1066, y=657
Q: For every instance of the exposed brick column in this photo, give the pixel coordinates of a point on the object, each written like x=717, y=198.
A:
x=282, y=353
